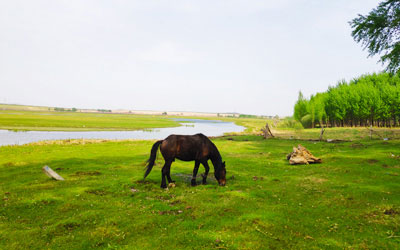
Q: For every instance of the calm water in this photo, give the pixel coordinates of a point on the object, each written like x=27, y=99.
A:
x=209, y=128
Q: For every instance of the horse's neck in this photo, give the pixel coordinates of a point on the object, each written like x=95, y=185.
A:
x=215, y=157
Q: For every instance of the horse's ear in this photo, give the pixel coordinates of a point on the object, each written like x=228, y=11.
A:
x=223, y=164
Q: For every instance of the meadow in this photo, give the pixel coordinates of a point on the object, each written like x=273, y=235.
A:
x=350, y=201
x=75, y=121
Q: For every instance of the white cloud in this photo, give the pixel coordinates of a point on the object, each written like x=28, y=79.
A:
x=168, y=52
x=211, y=6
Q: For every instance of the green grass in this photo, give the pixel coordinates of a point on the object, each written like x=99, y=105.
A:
x=24, y=107
x=351, y=200
x=72, y=121
x=346, y=133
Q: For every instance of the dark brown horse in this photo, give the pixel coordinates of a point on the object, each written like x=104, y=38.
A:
x=196, y=148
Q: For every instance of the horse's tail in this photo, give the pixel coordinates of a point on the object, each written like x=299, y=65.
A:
x=152, y=159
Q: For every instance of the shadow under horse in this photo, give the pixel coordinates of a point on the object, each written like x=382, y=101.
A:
x=196, y=148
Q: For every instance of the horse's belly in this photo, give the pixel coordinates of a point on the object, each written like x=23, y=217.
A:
x=185, y=158
x=187, y=155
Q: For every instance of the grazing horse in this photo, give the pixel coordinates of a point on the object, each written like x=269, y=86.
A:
x=196, y=148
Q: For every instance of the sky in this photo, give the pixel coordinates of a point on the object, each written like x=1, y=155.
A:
x=245, y=56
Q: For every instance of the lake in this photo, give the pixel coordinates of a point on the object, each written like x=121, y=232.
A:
x=189, y=127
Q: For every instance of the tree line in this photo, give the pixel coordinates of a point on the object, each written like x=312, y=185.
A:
x=65, y=109
x=370, y=100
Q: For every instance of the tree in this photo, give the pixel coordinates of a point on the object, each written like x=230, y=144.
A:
x=372, y=99
x=379, y=32
x=300, y=108
x=320, y=113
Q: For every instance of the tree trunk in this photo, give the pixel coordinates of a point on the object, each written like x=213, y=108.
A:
x=322, y=133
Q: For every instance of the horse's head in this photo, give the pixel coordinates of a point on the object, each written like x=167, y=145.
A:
x=220, y=174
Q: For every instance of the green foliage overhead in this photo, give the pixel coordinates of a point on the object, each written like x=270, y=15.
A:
x=379, y=32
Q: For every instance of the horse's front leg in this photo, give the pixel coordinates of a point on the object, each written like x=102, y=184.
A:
x=196, y=168
x=207, y=168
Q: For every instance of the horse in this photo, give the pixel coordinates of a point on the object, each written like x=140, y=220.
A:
x=196, y=148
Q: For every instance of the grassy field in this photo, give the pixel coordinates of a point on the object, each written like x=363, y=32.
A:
x=350, y=201
x=72, y=121
x=24, y=107
x=349, y=134
x=75, y=121
x=39, y=119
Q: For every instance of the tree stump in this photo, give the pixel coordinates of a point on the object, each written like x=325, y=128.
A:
x=301, y=155
x=267, y=132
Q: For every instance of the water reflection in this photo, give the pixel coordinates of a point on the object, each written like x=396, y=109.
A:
x=189, y=127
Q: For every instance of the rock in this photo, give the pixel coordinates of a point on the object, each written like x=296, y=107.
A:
x=301, y=155
x=171, y=185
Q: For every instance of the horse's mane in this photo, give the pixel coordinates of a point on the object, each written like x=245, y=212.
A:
x=215, y=154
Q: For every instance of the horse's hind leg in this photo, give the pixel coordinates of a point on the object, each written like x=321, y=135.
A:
x=164, y=173
x=207, y=168
x=169, y=173
x=196, y=168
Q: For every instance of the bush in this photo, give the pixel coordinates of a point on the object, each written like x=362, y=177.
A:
x=290, y=123
x=306, y=121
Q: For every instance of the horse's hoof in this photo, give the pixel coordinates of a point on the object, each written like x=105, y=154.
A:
x=171, y=181
x=193, y=183
x=204, y=182
x=164, y=186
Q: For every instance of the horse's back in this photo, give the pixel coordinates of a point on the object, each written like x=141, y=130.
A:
x=185, y=147
x=192, y=139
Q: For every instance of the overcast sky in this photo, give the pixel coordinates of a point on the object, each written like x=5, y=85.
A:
x=245, y=56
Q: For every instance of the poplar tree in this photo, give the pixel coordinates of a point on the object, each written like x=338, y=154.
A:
x=364, y=101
